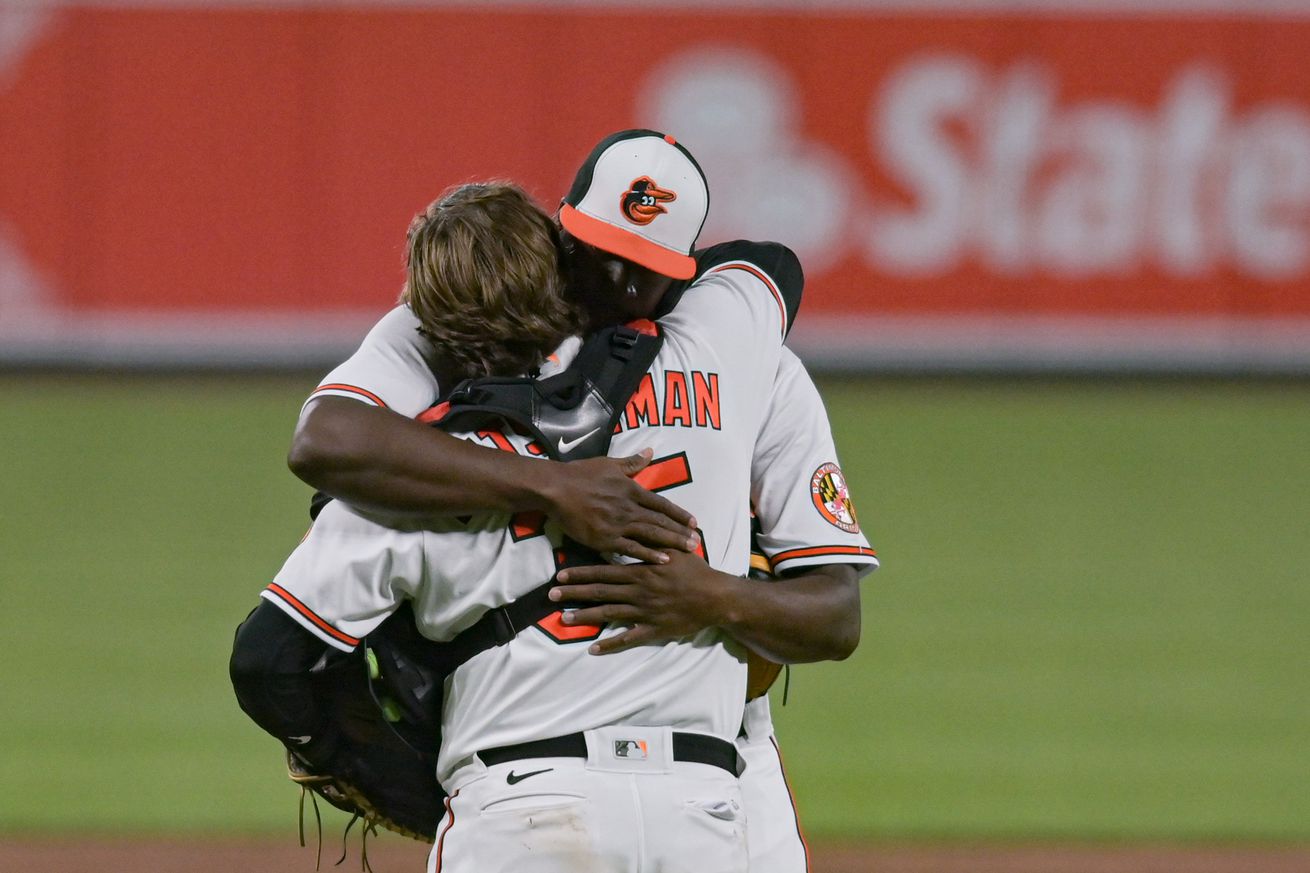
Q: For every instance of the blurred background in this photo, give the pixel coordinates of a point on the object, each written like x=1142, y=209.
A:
x=1058, y=301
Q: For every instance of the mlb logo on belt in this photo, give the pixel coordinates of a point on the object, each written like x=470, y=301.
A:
x=631, y=749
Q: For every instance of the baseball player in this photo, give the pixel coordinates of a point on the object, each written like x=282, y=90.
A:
x=638, y=743
x=791, y=620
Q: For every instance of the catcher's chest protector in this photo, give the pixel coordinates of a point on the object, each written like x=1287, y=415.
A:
x=572, y=414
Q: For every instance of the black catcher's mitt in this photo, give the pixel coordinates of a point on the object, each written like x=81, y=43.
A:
x=387, y=721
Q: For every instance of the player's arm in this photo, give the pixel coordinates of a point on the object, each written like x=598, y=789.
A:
x=356, y=440
x=814, y=616
x=376, y=459
x=807, y=528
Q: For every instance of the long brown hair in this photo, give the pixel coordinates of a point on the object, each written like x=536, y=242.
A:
x=483, y=276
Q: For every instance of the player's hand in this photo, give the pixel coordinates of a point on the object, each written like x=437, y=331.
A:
x=659, y=601
x=598, y=504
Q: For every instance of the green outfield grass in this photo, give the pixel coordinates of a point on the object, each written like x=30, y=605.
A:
x=1090, y=622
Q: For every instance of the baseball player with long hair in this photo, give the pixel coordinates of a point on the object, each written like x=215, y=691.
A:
x=792, y=620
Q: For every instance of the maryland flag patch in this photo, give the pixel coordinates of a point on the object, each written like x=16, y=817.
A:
x=833, y=499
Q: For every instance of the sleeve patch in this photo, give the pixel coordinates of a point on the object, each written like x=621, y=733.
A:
x=833, y=499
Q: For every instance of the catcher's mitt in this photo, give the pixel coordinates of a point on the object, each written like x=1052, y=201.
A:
x=395, y=802
x=386, y=718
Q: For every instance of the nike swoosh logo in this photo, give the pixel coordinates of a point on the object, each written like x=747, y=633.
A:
x=566, y=446
x=515, y=779
x=300, y=740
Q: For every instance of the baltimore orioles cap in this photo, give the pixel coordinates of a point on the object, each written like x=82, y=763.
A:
x=642, y=196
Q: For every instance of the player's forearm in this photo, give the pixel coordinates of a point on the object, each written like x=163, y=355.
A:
x=811, y=617
x=375, y=458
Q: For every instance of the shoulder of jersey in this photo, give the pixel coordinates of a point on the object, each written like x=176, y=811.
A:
x=772, y=263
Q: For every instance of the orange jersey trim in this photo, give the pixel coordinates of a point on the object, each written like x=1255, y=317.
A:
x=768, y=283
x=821, y=551
x=290, y=599
x=351, y=389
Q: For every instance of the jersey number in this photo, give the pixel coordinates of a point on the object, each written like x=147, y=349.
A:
x=661, y=474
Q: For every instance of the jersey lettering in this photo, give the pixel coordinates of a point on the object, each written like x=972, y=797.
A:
x=664, y=473
x=706, y=389
x=670, y=472
x=527, y=524
x=676, y=408
x=554, y=627
x=642, y=407
x=689, y=399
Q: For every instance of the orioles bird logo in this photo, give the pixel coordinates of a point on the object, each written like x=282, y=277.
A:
x=643, y=202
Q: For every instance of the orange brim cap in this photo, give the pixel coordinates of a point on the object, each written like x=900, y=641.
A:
x=626, y=244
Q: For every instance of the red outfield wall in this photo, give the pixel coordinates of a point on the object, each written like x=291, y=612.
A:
x=947, y=176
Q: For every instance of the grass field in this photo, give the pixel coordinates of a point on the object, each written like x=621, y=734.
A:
x=1090, y=621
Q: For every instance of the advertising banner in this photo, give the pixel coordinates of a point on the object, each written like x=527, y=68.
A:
x=993, y=184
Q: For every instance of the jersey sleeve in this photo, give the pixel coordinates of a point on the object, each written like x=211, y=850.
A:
x=775, y=265
x=802, y=502
x=347, y=575
x=738, y=307
x=392, y=368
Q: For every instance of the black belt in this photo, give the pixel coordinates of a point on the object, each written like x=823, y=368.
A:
x=693, y=748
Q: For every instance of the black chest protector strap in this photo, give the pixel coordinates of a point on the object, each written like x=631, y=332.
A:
x=572, y=414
